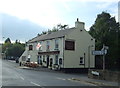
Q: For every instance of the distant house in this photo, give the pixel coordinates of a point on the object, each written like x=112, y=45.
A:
x=64, y=49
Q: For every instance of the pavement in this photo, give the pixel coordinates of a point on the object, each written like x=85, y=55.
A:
x=84, y=79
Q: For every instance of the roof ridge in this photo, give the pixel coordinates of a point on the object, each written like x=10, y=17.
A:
x=52, y=35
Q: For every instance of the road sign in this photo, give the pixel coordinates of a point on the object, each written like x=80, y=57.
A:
x=98, y=52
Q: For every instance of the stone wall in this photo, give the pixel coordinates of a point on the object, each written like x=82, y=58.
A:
x=104, y=75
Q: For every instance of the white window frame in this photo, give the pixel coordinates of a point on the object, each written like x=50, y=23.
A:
x=40, y=49
x=56, y=44
x=47, y=45
x=82, y=61
x=56, y=59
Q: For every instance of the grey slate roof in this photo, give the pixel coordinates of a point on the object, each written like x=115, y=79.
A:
x=52, y=35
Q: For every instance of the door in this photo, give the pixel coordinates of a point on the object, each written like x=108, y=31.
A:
x=47, y=60
x=39, y=60
x=51, y=62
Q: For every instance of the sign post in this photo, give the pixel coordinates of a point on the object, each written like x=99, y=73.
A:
x=103, y=52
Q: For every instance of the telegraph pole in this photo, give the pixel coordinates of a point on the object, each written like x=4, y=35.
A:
x=103, y=57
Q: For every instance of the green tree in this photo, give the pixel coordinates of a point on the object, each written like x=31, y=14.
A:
x=15, y=50
x=60, y=26
x=106, y=31
x=8, y=40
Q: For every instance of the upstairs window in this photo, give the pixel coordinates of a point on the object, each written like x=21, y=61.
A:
x=56, y=44
x=48, y=45
x=69, y=45
x=40, y=46
x=30, y=47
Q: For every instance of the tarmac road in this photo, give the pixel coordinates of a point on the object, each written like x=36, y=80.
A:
x=13, y=75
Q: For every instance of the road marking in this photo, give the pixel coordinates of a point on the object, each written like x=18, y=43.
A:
x=61, y=78
x=22, y=78
x=81, y=81
x=16, y=75
x=35, y=84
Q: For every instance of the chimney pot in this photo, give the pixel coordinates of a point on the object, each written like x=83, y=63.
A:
x=79, y=25
x=77, y=19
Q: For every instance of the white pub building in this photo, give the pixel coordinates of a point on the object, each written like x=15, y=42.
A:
x=65, y=49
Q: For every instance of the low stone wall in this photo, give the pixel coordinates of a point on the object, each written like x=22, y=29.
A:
x=104, y=75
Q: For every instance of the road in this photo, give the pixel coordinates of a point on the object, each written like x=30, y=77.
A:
x=12, y=75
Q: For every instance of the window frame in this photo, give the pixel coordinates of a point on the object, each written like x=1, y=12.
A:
x=70, y=45
x=47, y=45
x=56, y=44
x=82, y=59
x=30, y=47
x=56, y=59
x=40, y=49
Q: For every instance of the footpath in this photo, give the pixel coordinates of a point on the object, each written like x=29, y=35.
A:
x=84, y=79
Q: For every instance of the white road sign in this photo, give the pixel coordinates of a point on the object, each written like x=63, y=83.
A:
x=98, y=52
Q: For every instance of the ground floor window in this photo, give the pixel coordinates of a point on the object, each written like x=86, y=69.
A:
x=60, y=61
x=56, y=59
x=39, y=60
x=44, y=58
x=81, y=60
x=51, y=62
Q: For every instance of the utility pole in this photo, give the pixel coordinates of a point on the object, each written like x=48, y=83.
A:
x=103, y=57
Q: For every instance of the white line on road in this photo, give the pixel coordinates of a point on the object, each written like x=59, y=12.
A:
x=61, y=78
x=35, y=84
x=22, y=78
x=16, y=75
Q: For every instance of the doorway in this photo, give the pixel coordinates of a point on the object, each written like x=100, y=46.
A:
x=39, y=60
x=47, y=60
x=51, y=62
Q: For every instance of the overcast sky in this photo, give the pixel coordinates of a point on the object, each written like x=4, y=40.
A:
x=48, y=13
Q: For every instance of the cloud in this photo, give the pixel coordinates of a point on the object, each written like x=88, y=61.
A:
x=103, y=5
x=47, y=12
x=91, y=0
x=39, y=11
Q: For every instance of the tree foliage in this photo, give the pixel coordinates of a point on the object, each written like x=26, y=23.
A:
x=13, y=49
x=106, y=31
x=16, y=50
x=8, y=40
x=54, y=29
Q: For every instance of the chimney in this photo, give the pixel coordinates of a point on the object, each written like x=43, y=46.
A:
x=79, y=25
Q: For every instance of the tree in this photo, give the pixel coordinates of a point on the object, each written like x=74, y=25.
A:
x=54, y=29
x=60, y=26
x=13, y=49
x=8, y=40
x=106, y=31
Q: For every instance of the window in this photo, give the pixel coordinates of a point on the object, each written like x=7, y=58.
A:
x=48, y=45
x=56, y=59
x=40, y=46
x=60, y=61
x=30, y=47
x=56, y=44
x=69, y=45
x=43, y=58
x=81, y=61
